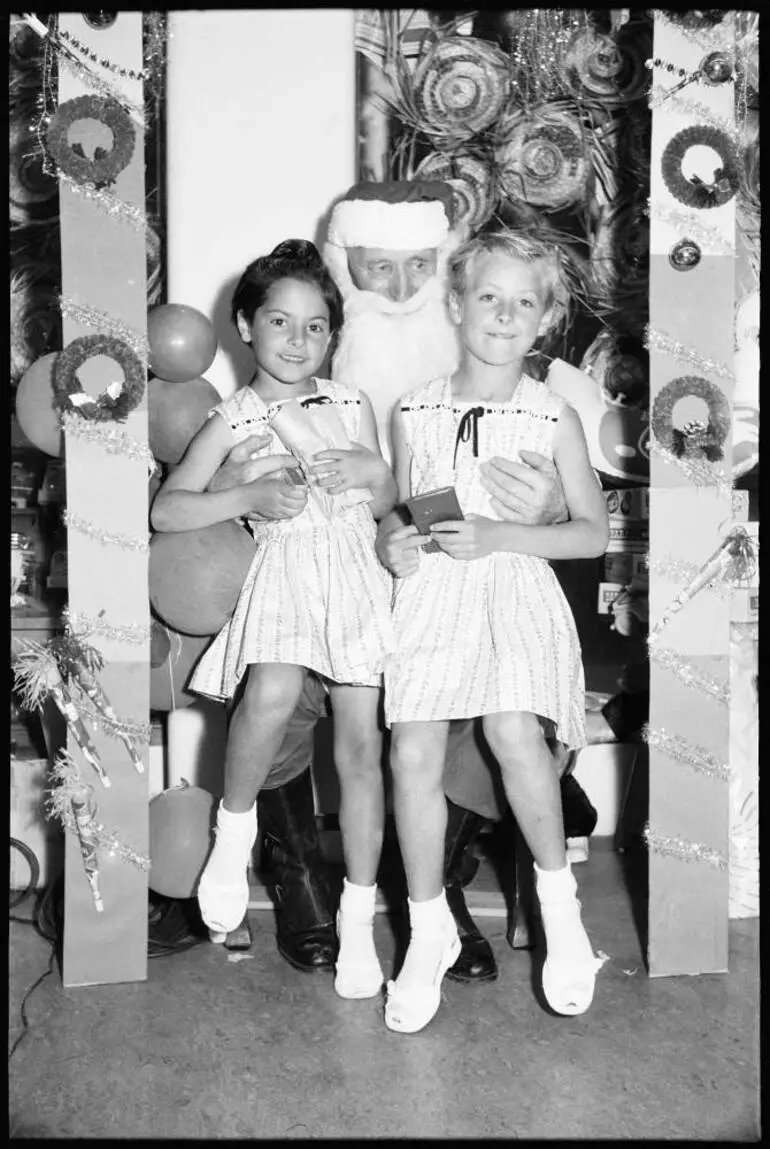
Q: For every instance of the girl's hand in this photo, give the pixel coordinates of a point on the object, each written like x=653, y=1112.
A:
x=399, y=551
x=272, y=497
x=471, y=538
x=339, y=470
x=242, y=465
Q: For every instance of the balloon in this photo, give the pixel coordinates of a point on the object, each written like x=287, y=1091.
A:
x=617, y=436
x=34, y=406
x=170, y=674
x=153, y=487
x=195, y=577
x=182, y=342
x=181, y=822
x=175, y=413
x=160, y=644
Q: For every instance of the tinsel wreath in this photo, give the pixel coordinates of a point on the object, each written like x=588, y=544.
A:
x=695, y=439
x=70, y=158
x=118, y=400
x=695, y=192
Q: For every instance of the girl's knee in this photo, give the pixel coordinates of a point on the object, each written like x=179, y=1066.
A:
x=274, y=688
x=514, y=732
x=416, y=758
x=361, y=755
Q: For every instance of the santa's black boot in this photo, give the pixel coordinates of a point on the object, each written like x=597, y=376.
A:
x=298, y=875
x=476, y=961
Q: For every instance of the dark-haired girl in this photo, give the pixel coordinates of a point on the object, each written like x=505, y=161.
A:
x=315, y=598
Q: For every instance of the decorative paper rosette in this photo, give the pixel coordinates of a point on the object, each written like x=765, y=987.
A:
x=35, y=322
x=543, y=159
x=470, y=181
x=608, y=69
x=621, y=367
x=618, y=264
x=461, y=87
x=30, y=190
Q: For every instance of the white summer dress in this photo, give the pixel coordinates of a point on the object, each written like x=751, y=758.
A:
x=491, y=634
x=316, y=594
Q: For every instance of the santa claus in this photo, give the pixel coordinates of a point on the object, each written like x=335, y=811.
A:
x=387, y=248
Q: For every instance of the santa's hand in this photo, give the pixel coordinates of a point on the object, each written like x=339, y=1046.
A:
x=242, y=465
x=338, y=470
x=399, y=550
x=526, y=492
x=471, y=538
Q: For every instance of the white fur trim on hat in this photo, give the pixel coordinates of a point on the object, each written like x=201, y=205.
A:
x=393, y=226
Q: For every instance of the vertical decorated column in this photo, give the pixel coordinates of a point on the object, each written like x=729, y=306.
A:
x=96, y=140
x=693, y=185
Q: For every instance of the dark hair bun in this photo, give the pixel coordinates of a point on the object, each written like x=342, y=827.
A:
x=300, y=251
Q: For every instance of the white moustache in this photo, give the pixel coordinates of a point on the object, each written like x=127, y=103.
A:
x=357, y=301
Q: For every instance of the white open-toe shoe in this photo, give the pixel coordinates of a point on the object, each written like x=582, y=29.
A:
x=408, y=1009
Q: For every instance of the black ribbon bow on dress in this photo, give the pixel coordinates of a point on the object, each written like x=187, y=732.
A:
x=311, y=399
x=469, y=429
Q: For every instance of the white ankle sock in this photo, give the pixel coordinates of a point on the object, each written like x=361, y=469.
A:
x=358, y=970
x=566, y=939
x=433, y=929
x=223, y=889
x=358, y=902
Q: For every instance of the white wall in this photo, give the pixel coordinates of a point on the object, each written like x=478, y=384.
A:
x=261, y=139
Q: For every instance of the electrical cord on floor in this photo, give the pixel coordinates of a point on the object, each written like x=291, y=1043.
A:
x=40, y=920
x=173, y=926
x=25, y=999
x=30, y=857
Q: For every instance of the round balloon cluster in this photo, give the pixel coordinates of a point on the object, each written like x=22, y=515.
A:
x=181, y=836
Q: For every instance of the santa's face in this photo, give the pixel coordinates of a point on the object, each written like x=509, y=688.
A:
x=390, y=344
x=396, y=275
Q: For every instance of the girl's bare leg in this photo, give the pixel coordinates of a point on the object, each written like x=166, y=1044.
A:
x=257, y=727
x=417, y=760
x=417, y=753
x=358, y=758
x=531, y=781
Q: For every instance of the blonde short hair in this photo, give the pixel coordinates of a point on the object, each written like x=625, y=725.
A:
x=528, y=249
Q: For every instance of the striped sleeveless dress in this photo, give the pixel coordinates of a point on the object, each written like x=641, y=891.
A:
x=496, y=633
x=316, y=594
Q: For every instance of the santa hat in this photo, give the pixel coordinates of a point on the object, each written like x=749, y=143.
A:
x=399, y=216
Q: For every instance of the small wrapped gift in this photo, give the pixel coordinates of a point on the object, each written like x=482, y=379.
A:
x=307, y=430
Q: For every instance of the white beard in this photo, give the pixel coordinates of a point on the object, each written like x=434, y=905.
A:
x=388, y=348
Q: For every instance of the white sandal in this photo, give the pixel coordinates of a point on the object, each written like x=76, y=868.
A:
x=408, y=1009
x=569, y=989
